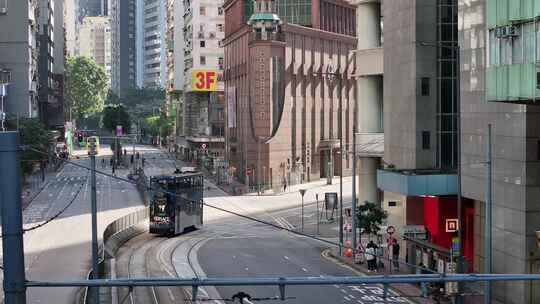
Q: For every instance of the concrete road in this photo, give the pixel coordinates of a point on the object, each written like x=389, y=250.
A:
x=61, y=250
x=236, y=247
x=241, y=248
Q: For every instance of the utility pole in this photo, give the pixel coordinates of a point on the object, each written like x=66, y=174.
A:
x=259, y=166
x=353, y=213
x=488, y=221
x=92, y=153
x=10, y=204
x=340, y=162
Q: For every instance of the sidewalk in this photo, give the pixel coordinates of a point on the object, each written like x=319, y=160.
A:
x=237, y=188
x=411, y=292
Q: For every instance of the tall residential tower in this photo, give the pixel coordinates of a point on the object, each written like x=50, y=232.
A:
x=123, y=46
x=19, y=56
x=203, y=110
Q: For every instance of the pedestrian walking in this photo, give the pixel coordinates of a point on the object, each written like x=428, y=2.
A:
x=395, y=254
x=423, y=285
x=284, y=184
x=131, y=159
x=370, y=257
x=143, y=161
x=103, y=163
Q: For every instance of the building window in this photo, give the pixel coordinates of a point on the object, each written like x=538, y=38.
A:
x=425, y=140
x=220, y=27
x=202, y=11
x=220, y=11
x=424, y=86
x=203, y=60
x=202, y=43
x=538, y=80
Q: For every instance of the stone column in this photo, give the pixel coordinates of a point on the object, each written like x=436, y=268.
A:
x=370, y=95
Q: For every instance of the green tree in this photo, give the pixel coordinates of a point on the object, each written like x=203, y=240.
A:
x=143, y=103
x=34, y=135
x=116, y=115
x=159, y=125
x=86, y=86
x=370, y=217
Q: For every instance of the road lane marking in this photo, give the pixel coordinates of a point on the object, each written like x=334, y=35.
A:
x=171, y=296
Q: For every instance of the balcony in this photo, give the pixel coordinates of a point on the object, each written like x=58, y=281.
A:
x=417, y=182
x=370, y=144
x=369, y=62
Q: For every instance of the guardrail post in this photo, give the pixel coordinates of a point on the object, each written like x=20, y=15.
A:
x=12, y=233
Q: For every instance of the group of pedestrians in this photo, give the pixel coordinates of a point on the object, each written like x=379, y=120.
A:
x=373, y=254
x=113, y=164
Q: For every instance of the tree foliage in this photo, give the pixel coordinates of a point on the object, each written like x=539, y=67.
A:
x=159, y=125
x=86, y=86
x=142, y=103
x=370, y=217
x=116, y=115
x=34, y=134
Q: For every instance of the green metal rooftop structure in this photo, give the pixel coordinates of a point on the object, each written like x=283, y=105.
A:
x=513, y=73
x=290, y=11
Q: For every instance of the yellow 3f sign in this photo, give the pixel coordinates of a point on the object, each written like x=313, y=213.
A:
x=205, y=81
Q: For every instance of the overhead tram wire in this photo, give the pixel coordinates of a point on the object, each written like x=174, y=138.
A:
x=52, y=218
x=235, y=213
x=58, y=213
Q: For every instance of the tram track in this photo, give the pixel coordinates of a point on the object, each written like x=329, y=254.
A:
x=147, y=255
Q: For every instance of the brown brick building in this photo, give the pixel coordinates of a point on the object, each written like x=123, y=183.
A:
x=282, y=111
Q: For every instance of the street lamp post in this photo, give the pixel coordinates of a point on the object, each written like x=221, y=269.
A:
x=331, y=75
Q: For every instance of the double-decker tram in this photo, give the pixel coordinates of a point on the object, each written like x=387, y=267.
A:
x=176, y=202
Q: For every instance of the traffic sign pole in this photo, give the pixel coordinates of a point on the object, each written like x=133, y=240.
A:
x=302, y=193
x=318, y=218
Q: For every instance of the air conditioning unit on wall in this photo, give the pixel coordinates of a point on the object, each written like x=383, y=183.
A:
x=512, y=31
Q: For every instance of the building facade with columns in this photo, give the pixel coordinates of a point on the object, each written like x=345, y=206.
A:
x=285, y=75
x=407, y=94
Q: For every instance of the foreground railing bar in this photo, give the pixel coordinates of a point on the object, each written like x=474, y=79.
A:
x=276, y=281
